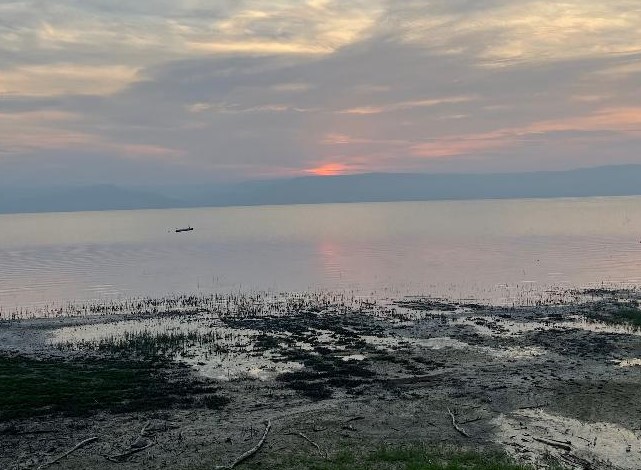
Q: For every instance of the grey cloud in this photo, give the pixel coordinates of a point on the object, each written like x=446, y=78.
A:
x=248, y=121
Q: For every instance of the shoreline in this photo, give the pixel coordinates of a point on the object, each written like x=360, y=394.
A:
x=342, y=371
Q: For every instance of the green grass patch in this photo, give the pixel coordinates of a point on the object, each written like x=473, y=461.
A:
x=31, y=387
x=411, y=457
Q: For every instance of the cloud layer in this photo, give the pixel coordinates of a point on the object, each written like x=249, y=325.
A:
x=162, y=91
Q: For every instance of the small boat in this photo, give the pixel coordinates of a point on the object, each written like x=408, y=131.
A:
x=186, y=229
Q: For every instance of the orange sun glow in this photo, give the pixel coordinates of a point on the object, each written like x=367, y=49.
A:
x=329, y=169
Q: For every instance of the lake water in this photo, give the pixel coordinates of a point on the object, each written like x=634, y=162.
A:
x=492, y=250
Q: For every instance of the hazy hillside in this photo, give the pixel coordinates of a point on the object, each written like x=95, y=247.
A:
x=85, y=198
x=603, y=181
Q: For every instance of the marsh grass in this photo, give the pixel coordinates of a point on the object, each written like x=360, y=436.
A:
x=150, y=345
x=240, y=305
x=31, y=387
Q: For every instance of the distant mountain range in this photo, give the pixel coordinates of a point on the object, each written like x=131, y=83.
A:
x=374, y=187
x=83, y=198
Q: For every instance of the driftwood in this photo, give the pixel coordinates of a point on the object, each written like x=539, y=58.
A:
x=553, y=443
x=250, y=452
x=69, y=452
x=456, y=426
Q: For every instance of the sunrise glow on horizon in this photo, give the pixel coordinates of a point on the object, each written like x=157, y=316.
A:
x=330, y=169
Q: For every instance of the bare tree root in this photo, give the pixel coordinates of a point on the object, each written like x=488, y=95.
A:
x=69, y=452
x=250, y=452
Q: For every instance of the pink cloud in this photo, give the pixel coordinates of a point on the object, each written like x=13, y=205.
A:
x=614, y=120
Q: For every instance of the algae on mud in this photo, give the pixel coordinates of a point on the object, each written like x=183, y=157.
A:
x=36, y=387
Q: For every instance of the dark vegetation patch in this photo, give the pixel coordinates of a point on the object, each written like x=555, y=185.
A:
x=574, y=342
x=607, y=293
x=615, y=313
x=443, y=305
x=301, y=323
x=428, y=305
x=323, y=373
x=31, y=387
x=325, y=366
x=325, y=369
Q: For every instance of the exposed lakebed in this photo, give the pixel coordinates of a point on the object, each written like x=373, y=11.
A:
x=551, y=382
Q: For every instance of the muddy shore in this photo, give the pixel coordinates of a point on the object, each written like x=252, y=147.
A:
x=547, y=384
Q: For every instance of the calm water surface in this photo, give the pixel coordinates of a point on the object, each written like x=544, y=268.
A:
x=484, y=249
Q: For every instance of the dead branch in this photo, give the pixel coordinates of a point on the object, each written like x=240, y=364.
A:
x=69, y=452
x=558, y=445
x=456, y=426
x=250, y=452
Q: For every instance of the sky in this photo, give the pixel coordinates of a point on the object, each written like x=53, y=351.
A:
x=192, y=91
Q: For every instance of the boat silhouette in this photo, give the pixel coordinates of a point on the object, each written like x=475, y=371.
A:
x=185, y=229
